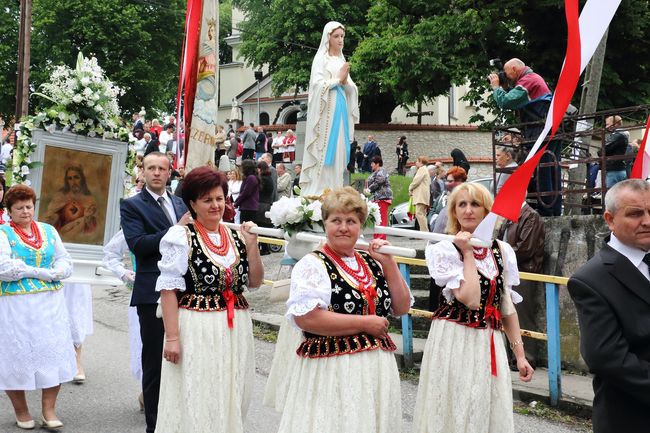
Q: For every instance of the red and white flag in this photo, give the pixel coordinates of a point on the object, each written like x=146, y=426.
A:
x=584, y=35
x=641, y=167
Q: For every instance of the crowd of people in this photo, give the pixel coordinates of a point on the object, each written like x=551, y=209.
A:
x=190, y=325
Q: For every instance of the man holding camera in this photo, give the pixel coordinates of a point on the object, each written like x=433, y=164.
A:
x=531, y=98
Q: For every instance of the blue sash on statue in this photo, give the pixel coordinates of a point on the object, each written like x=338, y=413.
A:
x=39, y=258
x=340, y=115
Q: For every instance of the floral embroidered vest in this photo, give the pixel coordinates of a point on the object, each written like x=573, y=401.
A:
x=39, y=258
x=488, y=311
x=210, y=286
x=346, y=299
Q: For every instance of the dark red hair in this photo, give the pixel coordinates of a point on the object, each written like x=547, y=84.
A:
x=199, y=182
x=19, y=193
x=458, y=173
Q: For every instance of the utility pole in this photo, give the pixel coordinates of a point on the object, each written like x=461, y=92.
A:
x=24, y=49
x=588, y=104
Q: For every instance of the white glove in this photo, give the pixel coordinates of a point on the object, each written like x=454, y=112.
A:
x=128, y=277
x=41, y=274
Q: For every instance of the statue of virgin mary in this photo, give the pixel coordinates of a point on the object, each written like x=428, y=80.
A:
x=332, y=111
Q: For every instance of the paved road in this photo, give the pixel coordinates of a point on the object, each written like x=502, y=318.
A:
x=106, y=403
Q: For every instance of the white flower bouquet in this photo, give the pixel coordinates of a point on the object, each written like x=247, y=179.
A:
x=298, y=214
x=83, y=101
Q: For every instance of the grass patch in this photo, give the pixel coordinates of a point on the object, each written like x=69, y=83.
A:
x=410, y=374
x=265, y=334
x=399, y=184
x=542, y=410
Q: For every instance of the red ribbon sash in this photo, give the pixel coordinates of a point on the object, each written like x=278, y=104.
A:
x=230, y=297
x=492, y=318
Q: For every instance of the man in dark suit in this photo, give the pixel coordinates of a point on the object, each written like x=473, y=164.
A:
x=612, y=295
x=146, y=218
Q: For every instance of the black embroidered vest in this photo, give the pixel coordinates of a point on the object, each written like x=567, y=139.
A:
x=346, y=299
x=491, y=292
x=206, y=281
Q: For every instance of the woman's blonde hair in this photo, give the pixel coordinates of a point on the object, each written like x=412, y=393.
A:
x=477, y=192
x=345, y=200
x=237, y=173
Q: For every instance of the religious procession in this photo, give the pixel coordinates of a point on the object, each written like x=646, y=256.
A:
x=209, y=226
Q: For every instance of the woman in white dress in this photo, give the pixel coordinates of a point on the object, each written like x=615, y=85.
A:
x=346, y=379
x=113, y=260
x=209, y=363
x=465, y=381
x=332, y=111
x=36, y=346
x=79, y=301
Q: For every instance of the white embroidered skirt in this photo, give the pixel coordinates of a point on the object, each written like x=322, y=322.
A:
x=79, y=301
x=357, y=393
x=209, y=390
x=135, y=343
x=283, y=366
x=457, y=392
x=36, y=349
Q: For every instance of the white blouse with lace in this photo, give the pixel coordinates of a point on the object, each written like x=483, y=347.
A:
x=446, y=268
x=175, y=250
x=311, y=286
x=15, y=269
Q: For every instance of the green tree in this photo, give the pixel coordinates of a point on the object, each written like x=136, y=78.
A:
x=8, y=56
x=417, y=48
x=137, y=42
x=285, y=34
x=225, y=30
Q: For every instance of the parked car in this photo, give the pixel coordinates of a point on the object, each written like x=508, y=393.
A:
x=399, y=218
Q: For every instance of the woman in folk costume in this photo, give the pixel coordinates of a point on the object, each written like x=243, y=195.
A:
x=208, y=370
x=465, y=383
x=346, y=379
x=36, y=350
x=332, y=111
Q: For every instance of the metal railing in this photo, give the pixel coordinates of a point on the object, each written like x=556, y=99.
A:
x=552, y=335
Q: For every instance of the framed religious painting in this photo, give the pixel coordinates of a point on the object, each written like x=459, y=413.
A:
x=78, y=188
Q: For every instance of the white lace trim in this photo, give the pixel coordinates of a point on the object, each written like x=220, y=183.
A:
x=446, y=268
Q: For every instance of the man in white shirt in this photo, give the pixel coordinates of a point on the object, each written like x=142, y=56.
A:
x=612, y=296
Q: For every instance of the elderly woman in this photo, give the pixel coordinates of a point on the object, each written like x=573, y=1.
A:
x=420, y=193
x=37, y=350
x=379, y=186
x=346, y=379
x=465, y=381
x=205, y=268
x=332, y=112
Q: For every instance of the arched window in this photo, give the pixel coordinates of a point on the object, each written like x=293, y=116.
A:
x=264, y=118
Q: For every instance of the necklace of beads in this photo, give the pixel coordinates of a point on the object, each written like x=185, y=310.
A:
x=220, y=249
x=34, y=240
x=480, y=253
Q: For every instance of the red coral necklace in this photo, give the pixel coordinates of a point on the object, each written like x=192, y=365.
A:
x=34, y=240
x=480, y=253
x=220, y=249
x=361, y=275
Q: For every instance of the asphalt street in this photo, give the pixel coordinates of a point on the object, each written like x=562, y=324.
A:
x=107, y=402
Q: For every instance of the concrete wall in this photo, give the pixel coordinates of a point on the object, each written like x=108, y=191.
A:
x=570, y=243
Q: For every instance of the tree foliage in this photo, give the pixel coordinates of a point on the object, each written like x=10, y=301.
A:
x=410, y=51
x=137, y=42
x=285, y=34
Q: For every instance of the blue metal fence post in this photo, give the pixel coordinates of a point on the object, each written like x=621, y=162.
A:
x=407, y=323
x=553, y=343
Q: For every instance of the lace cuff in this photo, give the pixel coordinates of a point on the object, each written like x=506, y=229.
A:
x=170, y=283
x=297, y=310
